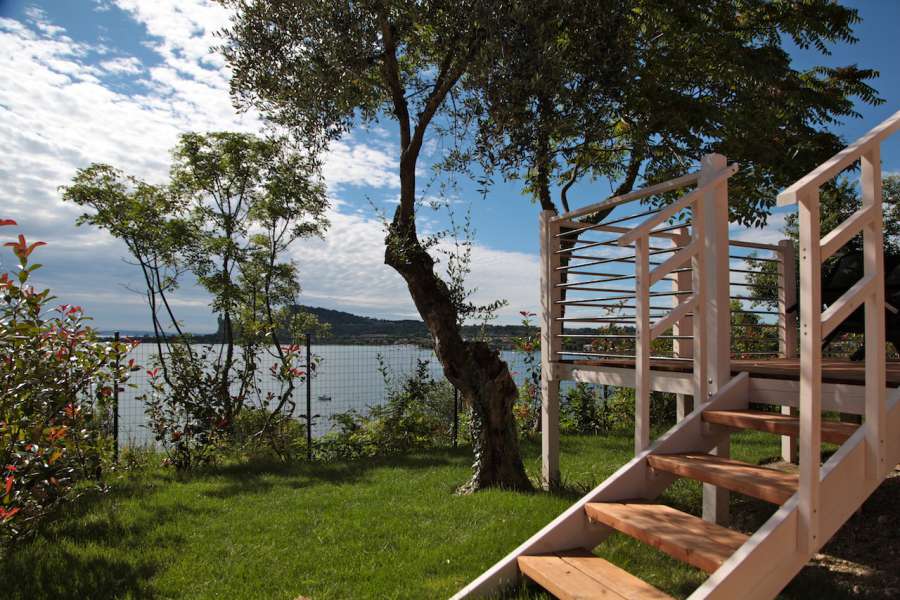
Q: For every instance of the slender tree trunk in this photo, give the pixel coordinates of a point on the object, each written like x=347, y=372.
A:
x=476, y=370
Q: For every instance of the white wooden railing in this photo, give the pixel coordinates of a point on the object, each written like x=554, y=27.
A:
x=712, y=190
x=816, y=323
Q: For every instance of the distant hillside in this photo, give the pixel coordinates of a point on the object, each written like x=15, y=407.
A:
x=348, y=328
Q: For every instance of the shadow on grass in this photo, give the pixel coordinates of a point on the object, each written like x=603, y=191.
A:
x=261, y=476
x=82, y=553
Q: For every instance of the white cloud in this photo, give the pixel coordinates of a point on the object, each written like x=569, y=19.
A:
x=59, y=113
x=122, y=65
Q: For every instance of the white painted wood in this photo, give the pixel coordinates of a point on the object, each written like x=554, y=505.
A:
x=787, y=299
x=673, y=262
x=756, y=245
x=873, y=267
x=846, y=231
x=840, y=161
x=550, y=327
x=836, y=397
x=849, y=301
x=717, y=313
x=643, y=338
x=660, y=381
x=676, y=314
x=713, y=180
x=572, y=529
x=650, y=190
x=810, y=370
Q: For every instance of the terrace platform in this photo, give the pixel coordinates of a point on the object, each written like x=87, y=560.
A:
x=834, y=370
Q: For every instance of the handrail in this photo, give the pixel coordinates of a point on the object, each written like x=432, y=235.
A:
x=815, y=323
x=673, y=209
x=650, y=190
x=840, y=161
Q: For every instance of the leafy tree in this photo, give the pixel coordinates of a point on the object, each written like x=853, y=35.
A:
x=642, y=89
x=551, y=92
x=234, y=205
x=320, y=67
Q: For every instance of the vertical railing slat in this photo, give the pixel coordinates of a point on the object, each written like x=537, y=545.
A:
x=810, y=369
x=787, y=329
x=550, y=345
x=642, y=345
x=873, y=264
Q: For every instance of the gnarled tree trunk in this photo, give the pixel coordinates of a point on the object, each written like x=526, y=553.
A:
x=476, y=370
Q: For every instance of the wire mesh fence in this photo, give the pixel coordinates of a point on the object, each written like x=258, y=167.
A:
x=345, y=378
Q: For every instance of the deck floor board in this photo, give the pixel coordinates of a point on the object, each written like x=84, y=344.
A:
x=834, y=370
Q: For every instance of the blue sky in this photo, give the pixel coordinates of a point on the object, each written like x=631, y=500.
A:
x=117, y=80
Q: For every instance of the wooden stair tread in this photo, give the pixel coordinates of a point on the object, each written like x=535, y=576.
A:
x=580, y=575
x=766, y=484
x=678, y=534
x=833, y=432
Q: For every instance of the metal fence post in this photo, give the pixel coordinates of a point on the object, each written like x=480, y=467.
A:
x=308, y=397
x=116, y=402
x=455, y=433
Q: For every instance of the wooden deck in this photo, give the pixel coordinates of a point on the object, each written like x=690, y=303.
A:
x=834, y=370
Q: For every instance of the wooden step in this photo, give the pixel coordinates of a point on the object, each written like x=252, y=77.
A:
x=766, y=484
x=680, y=535
x=833, y=432
x=579, y=574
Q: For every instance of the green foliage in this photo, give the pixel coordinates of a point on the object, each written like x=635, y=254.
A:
x=583, y=411
x=527, y=409
x=644, y=88
x=56, y=387
x=234, y=206
x=418, y=414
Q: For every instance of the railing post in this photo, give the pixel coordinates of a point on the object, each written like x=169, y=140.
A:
x=551, y=327
x=873, y=264
x=714, y=206
x=683, y=348
x=787, y=329
x=810, y=369
x=642, y=345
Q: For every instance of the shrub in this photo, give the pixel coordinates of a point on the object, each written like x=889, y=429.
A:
x=56, y=384
x=418, y=414
x=185, y=406
x=584, y=412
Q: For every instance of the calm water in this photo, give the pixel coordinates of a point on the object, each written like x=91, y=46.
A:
x=347, y=378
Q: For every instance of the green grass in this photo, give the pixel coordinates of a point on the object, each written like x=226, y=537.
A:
x=387, y=528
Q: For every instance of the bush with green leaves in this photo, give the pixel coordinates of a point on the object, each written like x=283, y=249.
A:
x=418, y=414
x=584, y=411
x=56, y=386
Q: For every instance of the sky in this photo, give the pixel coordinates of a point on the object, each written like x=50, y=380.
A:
x=117, y=81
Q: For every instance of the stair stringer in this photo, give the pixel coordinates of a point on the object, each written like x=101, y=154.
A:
x=572, y=529
x=768, y=561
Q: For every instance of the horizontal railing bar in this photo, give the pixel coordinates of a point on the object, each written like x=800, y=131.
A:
x=598, y=262
x=757, y=312
x=757, y=245
x=588, y=244
x=621, y=355
x=742, y=284
x=755, y=353
x=742, y=271
x=634, y=216
x=650, y=190
x=755, y=325
x=753, y=258
x=612, y=229
x=622, y=335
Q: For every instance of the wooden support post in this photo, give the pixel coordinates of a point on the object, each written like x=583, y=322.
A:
x=873, y=265
x=684, y=404
x=810, y=370
x=550, y=344
x=642, y=345
x=787, y=329
x=714, y=206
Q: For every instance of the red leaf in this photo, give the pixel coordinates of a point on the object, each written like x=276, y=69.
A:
x=4, y=222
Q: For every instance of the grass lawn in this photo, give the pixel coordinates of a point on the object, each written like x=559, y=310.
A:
x=390, y=528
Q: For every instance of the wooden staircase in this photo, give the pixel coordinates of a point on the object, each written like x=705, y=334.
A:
x=740, y=566
x=813, y=503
